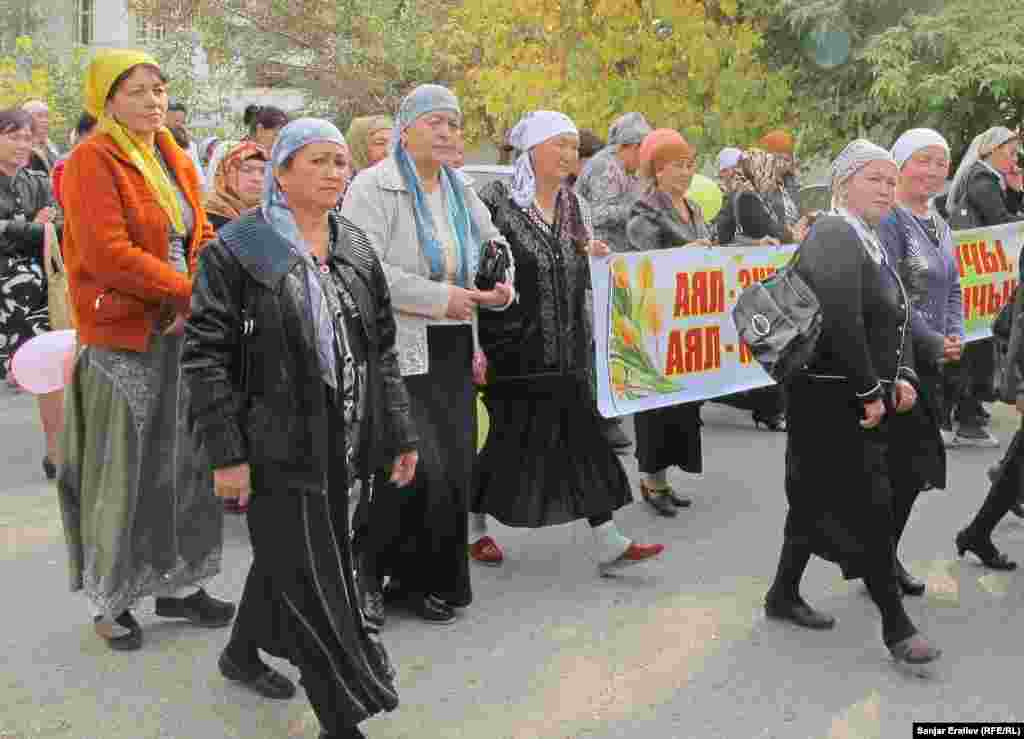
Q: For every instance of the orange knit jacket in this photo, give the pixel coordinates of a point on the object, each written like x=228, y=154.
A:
x=116, y=244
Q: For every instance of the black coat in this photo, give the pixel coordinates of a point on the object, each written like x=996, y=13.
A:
x=984, y=202
x=546, y=330
x=251, y=361
x=21, y=198
x=864, y=310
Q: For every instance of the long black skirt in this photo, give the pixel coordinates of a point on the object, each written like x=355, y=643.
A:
x=301, y=601
x=837, y=479
x=418, y=534
x=546, y=461
x=669, y=437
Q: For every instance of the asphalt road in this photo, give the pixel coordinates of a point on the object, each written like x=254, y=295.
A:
x=674, y=649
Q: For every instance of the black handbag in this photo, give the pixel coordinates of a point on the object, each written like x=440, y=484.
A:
x=494, y=265
x=780, y=320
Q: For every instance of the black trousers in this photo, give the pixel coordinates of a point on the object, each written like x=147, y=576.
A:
x=1004, y=492
x=971, y=380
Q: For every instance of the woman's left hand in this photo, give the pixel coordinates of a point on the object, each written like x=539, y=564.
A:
x=497, y=297
x=904, y=396
x=596, y=248
x=404, y=469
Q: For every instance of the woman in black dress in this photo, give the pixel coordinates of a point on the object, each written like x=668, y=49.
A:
x=297, y=396
x=837, y=458
x=661, y=219
x=545, y=461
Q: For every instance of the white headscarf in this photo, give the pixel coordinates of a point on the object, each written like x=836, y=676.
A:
x=982, y=146
x=535, y=128
x=729, y=157
x=913, y=141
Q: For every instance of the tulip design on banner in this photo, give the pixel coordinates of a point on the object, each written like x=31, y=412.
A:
x=637, y=325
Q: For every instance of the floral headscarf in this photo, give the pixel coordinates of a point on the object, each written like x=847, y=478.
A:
x=225, y=200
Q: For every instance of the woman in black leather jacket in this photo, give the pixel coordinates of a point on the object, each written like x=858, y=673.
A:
x=296, y=395
x=838, y=463
x=27, y=213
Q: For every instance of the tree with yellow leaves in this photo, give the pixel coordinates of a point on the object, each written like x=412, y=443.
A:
x=685, y=64
x=22, y=79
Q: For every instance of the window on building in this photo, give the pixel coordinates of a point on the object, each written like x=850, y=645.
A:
x=85, y=21
x=147, y=32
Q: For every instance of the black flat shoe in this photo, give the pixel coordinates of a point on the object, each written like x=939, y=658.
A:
x=909, y=584
x=776, y=423
x=126, y=642
x=799, y=613
x=373, y=607
x=49, y=468
x=985, y=551
x=267, y=682
x=200, y=609
x=659, y=501
x=433, y=610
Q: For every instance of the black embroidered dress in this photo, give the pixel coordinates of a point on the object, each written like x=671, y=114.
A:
x=546, y=461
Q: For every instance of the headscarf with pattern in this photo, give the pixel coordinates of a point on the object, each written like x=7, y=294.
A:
x=533, y=129
x=980, y=149
x=278, y=214
x=225, y=199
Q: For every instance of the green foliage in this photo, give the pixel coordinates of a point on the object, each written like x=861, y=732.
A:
x=953, y=66
x=686, y=66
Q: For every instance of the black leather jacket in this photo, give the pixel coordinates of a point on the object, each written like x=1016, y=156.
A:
x=251, y=363
x=21, y=198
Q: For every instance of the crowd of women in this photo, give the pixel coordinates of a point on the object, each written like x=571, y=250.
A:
x=308, y=347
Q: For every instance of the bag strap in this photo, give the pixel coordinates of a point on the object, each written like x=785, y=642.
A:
x=53, y=259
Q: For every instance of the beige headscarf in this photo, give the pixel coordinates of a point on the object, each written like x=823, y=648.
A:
x=359, y=134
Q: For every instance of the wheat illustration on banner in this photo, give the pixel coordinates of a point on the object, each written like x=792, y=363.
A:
x=636, y=331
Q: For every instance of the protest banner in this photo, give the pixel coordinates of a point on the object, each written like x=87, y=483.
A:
x=663, y=325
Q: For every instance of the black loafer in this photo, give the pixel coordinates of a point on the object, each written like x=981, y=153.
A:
x=909, y=584
x=434, y=610
x=267, y=682
x=373, y=607
x=799, y=613
x=126, y=642
x=200, y=609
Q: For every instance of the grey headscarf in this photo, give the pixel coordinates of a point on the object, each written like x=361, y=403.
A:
x=278, y=214
x=851, y=160
x=630, y=128
x=982, y=146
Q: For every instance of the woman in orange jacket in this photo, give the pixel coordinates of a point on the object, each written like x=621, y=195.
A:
x=137, y=496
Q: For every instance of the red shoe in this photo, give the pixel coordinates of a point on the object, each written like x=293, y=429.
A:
x=486, y=551
x=636, y=554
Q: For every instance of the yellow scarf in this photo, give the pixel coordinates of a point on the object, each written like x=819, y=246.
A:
x=103, y=71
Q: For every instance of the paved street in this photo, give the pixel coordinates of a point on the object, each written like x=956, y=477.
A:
x=675, y=649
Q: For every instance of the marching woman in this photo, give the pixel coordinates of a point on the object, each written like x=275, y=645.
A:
x=296, y=394
x=427, y=226
x=664, y=218
x=136, y=492
x=837, y=480
x=919, y=244
x=545, y=461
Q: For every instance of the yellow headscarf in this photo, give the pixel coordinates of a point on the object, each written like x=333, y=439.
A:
x=103, y=71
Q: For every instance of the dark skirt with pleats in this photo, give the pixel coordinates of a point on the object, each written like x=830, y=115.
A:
x=546, y=460
x=418, y=534
x=301, y=601
x=837, y=479
x=669, y=437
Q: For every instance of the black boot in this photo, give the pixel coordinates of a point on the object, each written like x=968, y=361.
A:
x=783, y=601
x=1002, y=495
x=371, y=591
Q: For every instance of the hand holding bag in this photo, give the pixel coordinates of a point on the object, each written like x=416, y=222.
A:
x=494, y=266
